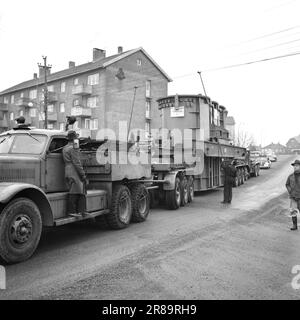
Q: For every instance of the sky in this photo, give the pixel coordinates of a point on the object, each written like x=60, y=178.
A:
x=183, y=37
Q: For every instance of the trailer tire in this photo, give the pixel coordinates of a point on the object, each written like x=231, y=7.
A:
x=121, y=208
x=236, y=181
x=242, y=176
x=140, y=203
x=191, y=188
x=20, y=230
x=184, y=191
x=173, y=197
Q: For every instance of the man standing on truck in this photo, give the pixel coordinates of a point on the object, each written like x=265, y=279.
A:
x=75, y=176
x=293, y=187
x=229, y=176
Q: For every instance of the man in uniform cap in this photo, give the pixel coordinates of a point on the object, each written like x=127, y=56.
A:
x=21, y=123
x=293, y=187
x=75, y=176
x=229, y=177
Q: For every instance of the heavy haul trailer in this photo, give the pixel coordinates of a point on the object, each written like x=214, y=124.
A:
x=33, y=193
x=194, y=126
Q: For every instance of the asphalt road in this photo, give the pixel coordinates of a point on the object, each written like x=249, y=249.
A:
x=203, y=251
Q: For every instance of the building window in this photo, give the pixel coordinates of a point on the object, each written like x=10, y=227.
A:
x=11, y=116
x=5, y=100
x=148, y=109
x=87, y=123
x=12, y=99
x=147, y=129
x=51, y=88
x=50, y=108
x=42, y=116
x=139, y=62
x=91, y=124
x=21, y=113
x=93, y=79
x=148, y=88
x=22, y=95
x=75, y=82
x=62, y=107
x=50, y=126
x=92, y=102
x=32, y=112
x=63, y=87
x=62, y=126
x=76, y=102
x=33, y=94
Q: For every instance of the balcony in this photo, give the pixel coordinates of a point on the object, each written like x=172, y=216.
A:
x=24, y=102
x=81, y=112
x=84, y=133
x=52, y=117
x=3, y=106
x=82, y=90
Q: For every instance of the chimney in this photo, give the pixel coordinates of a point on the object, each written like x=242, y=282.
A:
x=35, y=76
x=98, y=54
x=120, y=49
x=42, y=71
x=71, y=64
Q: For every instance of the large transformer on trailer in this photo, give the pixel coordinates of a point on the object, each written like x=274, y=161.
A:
x=193, y=126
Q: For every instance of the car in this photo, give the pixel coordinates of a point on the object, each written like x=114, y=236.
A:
x=264, y=162
x=272, y=157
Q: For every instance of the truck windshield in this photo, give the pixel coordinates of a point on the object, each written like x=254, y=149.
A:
x=22, y=143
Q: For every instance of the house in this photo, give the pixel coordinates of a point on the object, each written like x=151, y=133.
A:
x=293, y=145
x=277, y=148
x=99, y=93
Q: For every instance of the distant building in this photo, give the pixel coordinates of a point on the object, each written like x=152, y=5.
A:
x=293, y=145
x=230, y=126
x=99, y=93
x=277, y=148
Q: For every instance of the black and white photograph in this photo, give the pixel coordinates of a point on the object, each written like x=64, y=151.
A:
x=149, y=152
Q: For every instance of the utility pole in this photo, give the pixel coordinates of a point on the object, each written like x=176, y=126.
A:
x=46, y=68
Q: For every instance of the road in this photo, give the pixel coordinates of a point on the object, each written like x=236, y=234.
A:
x=206, y=250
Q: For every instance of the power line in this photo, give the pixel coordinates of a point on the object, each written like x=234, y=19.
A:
x=252, y=62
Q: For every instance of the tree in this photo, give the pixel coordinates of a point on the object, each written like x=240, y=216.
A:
x=243, y=138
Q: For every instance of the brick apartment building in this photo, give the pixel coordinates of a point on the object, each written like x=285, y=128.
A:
x=98, y=93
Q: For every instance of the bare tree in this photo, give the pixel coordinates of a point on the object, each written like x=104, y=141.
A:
x=243, y=138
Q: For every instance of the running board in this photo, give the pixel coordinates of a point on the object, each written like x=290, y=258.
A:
x=69, y=219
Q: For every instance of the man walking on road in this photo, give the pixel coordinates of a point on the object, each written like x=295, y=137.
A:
x=293, y=187
x=229, y=177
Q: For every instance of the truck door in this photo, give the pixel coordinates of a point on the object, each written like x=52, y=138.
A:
x=55, y=168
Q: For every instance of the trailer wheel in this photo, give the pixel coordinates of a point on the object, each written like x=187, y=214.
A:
x=242, y=176
x=140, y=203
x=173, y=197
x=236, y=181
x=121, y=208
x=184, y=191
x=20, y=230
x=191, y=189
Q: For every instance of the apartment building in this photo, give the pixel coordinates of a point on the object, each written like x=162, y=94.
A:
x=99, y=93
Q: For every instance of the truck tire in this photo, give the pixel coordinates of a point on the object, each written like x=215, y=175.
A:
x=236, y=181
x=140, y=203
x=20, y=230
x=242, y=176
x=121, y=208
x=184, y=191
x=191, y=188
x=173, y=197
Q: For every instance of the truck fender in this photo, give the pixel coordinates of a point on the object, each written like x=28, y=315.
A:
x=8, y=191
x=170, y=181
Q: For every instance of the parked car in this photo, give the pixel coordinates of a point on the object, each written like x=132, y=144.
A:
x=272, y=157
x=264, y=162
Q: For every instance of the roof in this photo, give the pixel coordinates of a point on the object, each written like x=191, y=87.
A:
x=275, y=146
x=97, y=64
x=47, y=132
x=230, y=121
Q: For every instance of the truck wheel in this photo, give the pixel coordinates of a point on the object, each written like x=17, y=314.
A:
x=242, y=176
x=121, y=208
x=173, y=197
x=140, y=203
x=184, y=191
x=20, y=230
x=191, y=189
x=258, y=171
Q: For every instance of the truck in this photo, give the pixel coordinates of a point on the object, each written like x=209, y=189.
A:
x=33, y=192
x=193, y=125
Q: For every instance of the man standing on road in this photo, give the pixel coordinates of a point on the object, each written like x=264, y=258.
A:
x=75, y=176
x=293, y=187
x=229, y=177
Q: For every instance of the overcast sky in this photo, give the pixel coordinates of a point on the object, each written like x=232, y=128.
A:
x=183, y=37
